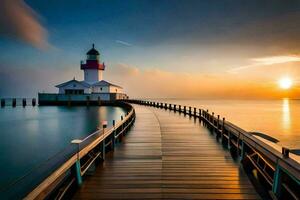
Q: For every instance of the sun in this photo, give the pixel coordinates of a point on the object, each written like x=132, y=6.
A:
x=285, y=83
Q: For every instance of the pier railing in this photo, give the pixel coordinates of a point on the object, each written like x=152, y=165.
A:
x=277, y=171
x=66, y=170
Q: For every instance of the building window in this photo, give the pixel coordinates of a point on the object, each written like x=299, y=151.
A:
x=74, y=85
x=101, y=89
x=71, y=91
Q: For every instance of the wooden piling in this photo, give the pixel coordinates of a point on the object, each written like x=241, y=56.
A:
x=23, y=102
x=99, y=101
x=33, y=102
x=2, y=102
x=87, y=100
x=14, y=102
x=69, y=100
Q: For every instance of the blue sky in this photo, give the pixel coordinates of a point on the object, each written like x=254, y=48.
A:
x=173, y=36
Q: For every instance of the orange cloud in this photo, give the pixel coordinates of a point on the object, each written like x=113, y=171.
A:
x=19, y=21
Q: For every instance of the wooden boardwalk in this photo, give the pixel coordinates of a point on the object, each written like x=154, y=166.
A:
x=167, y=156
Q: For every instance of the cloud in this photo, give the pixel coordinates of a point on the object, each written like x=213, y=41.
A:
x=123, y=43
x=266, y=61
x=19, y=21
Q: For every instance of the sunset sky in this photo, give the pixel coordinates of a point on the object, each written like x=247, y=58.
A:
x=182, y=49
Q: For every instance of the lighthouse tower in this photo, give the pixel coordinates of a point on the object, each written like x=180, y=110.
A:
x=93, y=69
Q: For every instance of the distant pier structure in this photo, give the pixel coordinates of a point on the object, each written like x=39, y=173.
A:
x=92, y=90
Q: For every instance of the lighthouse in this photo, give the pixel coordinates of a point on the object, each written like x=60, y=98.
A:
x=93, y=87
x=93, y=68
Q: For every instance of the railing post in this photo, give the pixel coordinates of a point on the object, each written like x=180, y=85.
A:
x=218, y=126
x=200, y=114
x=223, y=129
x=113, y=139
x=195, y=112
x=122, y=126
x=213, y=119
x=242, y=156
x=285, y=152
x=179, y=108
x=229, y=140
x=206, y=115
x=77, y=166
x=276, y=187
x=103, y=149
x=184, y=109
x=190, y=110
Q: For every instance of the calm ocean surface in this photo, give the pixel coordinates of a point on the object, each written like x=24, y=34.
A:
x=31, y=135
x=277, y=118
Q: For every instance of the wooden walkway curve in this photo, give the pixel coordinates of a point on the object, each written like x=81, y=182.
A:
x=167, y=156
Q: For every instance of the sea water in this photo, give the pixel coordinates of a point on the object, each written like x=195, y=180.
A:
x=30, y=136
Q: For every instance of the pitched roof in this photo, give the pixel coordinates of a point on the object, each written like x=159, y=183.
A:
x=105, y=83
x=84, y=84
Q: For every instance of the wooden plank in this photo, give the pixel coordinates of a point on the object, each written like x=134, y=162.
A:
x=167, y=156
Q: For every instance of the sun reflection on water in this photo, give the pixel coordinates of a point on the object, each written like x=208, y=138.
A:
x=286, y=119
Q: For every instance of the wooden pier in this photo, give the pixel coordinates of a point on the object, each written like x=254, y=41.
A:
x=169, y=151
x=167, y=156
